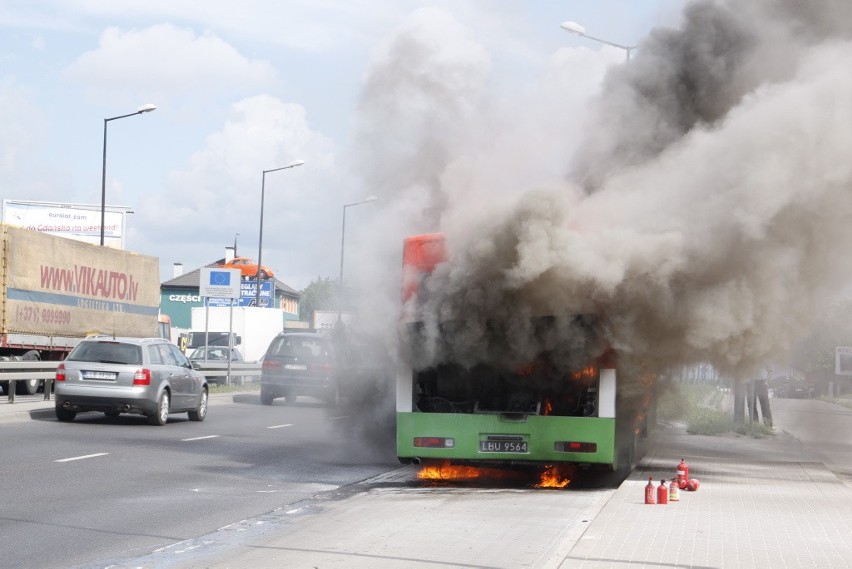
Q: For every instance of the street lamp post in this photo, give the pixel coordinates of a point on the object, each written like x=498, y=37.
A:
x=576, y=28
x=260, y=236
x=342, y=241
x=143, y=109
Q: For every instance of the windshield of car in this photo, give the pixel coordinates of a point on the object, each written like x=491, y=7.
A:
x=292, y=345
x=107, y=352
x=213, y=354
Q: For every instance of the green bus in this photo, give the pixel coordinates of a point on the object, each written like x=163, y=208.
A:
x=542, y=414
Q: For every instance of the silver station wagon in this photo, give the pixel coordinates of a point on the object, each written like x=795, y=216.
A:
x=142, y=376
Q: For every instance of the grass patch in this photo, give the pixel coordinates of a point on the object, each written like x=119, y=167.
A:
x=250, y=386
x=705, y=411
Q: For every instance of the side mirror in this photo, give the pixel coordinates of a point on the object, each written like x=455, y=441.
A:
x=237, y=339
x=195, y=365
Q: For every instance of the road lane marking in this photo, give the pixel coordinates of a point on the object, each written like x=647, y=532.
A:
x=200, y=438
x=340, y=417
x=279, y=426
x=81, y=457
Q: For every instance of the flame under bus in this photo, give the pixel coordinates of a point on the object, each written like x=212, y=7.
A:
x=539, y=414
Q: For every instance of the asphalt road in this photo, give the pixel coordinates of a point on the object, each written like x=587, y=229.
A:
x=825, y=428
x=118, y=493
x=98, y=488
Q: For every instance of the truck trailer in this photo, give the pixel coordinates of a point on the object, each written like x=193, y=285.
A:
x=255, y=327
x=56, y=291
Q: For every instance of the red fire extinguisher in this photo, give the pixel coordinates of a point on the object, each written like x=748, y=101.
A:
x=682, y=474
x=662, y=493
x=674, y=491
x=649, y=492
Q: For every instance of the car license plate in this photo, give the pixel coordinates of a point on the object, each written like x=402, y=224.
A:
x=300, y=367
x=99, y=375
x=503, y=446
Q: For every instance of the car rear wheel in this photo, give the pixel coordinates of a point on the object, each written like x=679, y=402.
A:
x=289, y=398
x=200, y=412
x=265, y=397
x=65, y=415
x=161, y=416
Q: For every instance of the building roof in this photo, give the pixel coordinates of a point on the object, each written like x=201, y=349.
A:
x=192, y=279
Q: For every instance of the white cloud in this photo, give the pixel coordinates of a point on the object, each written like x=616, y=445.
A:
x=218, y=194
x=168, y=58
x=21, y=130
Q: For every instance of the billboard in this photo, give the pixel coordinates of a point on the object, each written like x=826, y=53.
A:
x=81, y=222
x=248, y=295
x=61, y=287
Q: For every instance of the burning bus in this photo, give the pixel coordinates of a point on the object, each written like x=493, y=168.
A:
x=562, y=407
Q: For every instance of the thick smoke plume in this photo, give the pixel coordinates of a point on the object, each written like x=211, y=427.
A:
x=705, y=214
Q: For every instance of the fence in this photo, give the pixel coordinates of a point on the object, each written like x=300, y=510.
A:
x=15, y=371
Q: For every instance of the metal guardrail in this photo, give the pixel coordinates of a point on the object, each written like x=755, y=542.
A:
x=15, y=371
x=46, y=370
x=243, y=369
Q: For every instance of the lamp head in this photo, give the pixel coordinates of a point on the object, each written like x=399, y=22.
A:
x=573, y=27
x=147, y=108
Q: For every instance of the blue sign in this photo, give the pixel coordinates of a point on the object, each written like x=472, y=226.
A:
x=248, y=295
x=220, y=278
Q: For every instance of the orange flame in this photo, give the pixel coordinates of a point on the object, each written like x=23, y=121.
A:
x=447, y=471
x=587, y=372
x=548, y=407
x=553, y=477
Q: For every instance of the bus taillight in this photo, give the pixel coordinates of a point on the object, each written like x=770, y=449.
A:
x=574, y=446
x=434, y=442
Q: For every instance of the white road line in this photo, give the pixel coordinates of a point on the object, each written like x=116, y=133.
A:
x=341, y=417
x=200, y=438
x=81, y=457
x=279, y=426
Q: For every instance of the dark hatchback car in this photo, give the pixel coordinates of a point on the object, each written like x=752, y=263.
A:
x=299, y=363
x=143, y=376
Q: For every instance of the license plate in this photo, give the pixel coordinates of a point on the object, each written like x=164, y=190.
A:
x=503, y=446
x=300, y=367
x=99, y=375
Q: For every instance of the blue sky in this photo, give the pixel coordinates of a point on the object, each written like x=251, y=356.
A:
x=243, y=87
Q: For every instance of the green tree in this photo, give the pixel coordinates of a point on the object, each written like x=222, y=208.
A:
x=320, y=294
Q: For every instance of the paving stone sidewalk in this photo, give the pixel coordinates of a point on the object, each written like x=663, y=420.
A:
x=761, y=503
